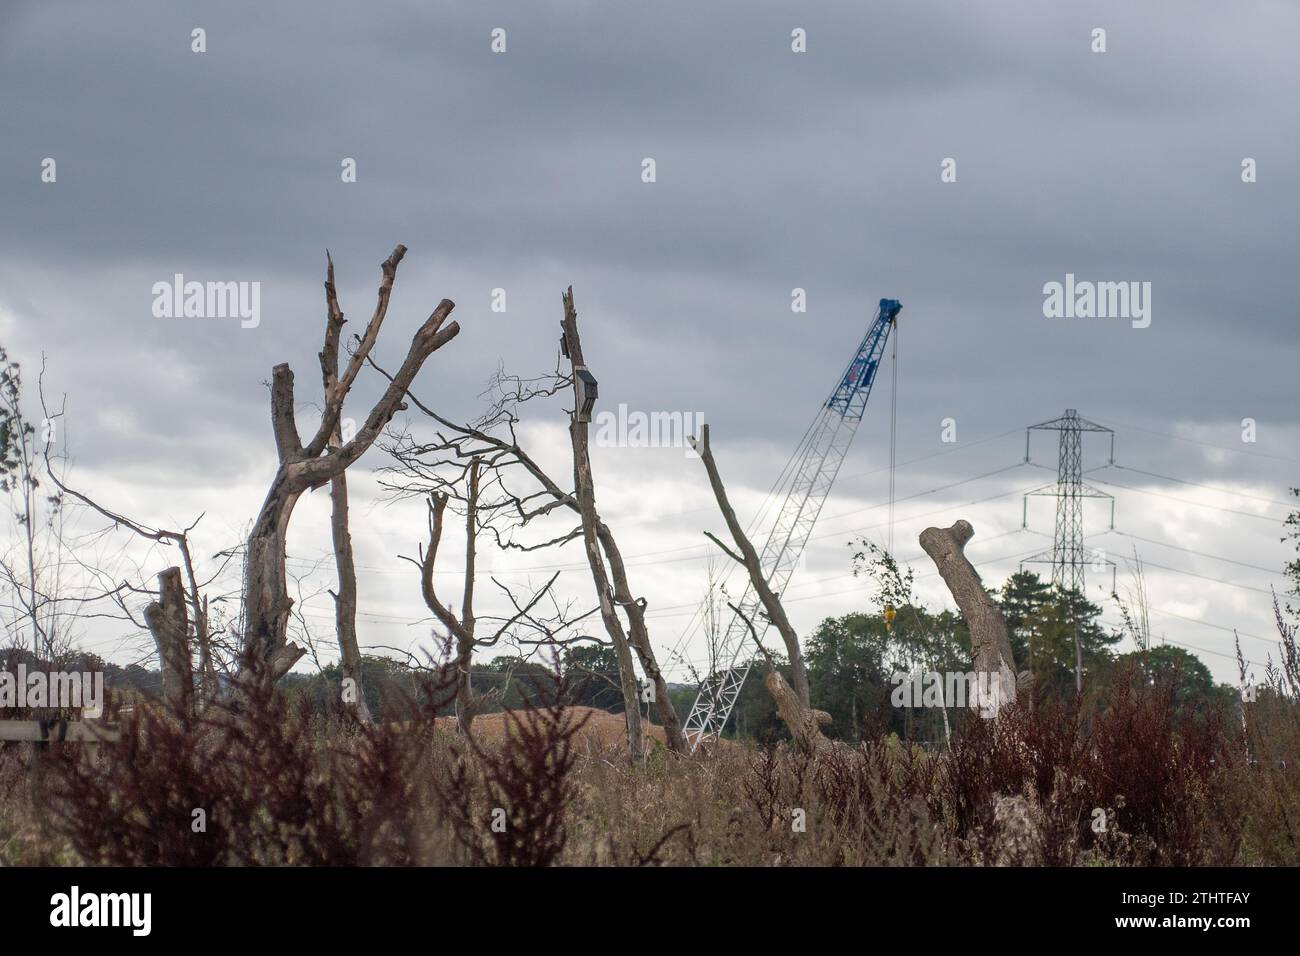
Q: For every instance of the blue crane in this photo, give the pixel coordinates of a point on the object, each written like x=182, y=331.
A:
x=823, y=449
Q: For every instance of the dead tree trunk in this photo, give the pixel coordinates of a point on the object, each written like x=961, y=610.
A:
x=465, y=702
x=640, y=640
x=463, y=629
x=167, y=622
x=804, y=723
x=266, y=599
x=990, y=645
x=748, y=558
x=345, y=599
x=585, y=492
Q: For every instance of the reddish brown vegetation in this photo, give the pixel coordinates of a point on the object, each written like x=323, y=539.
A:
x=281, y=787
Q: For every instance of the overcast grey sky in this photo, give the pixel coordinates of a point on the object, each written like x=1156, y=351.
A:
x=818, y=170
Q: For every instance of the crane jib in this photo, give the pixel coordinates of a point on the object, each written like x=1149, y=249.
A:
x=830, y=435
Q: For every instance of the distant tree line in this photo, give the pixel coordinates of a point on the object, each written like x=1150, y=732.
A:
x=852, y=660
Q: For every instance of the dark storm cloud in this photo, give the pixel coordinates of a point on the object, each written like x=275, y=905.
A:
x=775, y=171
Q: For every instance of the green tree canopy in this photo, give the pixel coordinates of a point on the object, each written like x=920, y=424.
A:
x=1043, y=622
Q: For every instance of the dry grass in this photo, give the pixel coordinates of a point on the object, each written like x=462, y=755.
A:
x=284, y=787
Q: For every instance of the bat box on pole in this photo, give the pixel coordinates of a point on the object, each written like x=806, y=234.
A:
x=586, y=386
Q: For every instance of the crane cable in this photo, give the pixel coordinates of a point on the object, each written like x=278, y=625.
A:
x=893, y=431
x=890, y=611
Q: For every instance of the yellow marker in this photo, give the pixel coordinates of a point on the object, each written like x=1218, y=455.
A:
x=890, y=614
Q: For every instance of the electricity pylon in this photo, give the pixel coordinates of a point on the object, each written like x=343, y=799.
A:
x=1069, y=556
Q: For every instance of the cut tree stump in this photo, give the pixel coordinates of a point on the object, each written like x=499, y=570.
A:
x=990, y=645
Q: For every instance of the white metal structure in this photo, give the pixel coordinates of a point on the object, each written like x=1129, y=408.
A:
x=823, y=450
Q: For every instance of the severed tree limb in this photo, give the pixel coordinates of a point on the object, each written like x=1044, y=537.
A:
x=990, y=646
x=749, y=558
x=804, y=723
x=725, y=550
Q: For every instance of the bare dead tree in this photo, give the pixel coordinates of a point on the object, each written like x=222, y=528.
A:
x=68, y=555
x=528, y=623
x=460, y=628
x=747, y=557
x=193, y=587
x=303, y=467
x=494, y=440
x=463, y=630
x=585, y=492
x=34, y=577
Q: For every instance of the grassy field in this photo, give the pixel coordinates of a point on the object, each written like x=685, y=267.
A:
x=1139, y=782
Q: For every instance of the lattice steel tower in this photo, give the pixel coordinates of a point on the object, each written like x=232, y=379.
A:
x=1069, y=556
x=819, y=457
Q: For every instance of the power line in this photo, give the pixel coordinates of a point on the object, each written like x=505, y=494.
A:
x=667, y=611
x=1191, y=647
x=692, y=626
x=956, y=447
x=1186, y=501
x=1201, y=554
x=660, y=612
x=1217, y=627
x=823, y=580
x=705, y=549
x=853, y=590
x=1206, y=444
x=1204, y=577
x=1197, y=484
